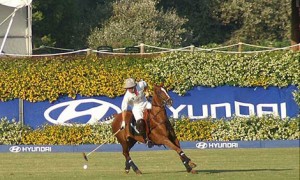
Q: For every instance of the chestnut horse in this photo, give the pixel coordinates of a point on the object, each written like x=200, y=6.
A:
x=160, y=131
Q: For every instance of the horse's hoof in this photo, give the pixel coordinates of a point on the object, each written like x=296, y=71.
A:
x=138, y=172
x=192, y=165
x=126, y=171
x=193, y=171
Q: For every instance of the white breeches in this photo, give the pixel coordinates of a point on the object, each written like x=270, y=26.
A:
x=138, y=109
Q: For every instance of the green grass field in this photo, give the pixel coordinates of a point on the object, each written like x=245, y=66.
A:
x=241, y=164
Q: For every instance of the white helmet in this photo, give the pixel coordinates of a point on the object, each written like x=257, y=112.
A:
x=129, y=83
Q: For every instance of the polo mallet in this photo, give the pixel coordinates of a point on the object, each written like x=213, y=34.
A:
x=85, y=156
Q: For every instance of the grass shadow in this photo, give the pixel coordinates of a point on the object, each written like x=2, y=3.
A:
x=238, y=170
x=214, y=171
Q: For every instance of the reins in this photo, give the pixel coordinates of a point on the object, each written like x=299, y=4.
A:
x=161, y=106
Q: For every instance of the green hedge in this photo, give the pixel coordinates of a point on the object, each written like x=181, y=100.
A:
x=11, y=132
x=42, y=79
x=69, y=135
x=253, y=128
x=182, y=71
x=238, y=128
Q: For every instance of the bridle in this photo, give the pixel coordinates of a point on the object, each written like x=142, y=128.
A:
x=165, y=102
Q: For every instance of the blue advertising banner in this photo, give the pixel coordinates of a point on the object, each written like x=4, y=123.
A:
x=143, y=147
x=226, y=101
x=9, y=109
x=67, y=111
x=198, y=103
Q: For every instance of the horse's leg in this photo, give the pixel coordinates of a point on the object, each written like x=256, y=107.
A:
x=126, y=146
x=189, y=165
x=186, y=161
x=183, y=156
x=129, y=163
x=174, y=144
x=175, y=141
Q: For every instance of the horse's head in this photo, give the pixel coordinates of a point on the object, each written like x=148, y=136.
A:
x=161, y=97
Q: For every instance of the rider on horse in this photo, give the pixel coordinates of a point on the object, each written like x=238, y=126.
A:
x=135, y=97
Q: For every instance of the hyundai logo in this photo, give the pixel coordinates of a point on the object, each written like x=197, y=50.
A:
x=201, y=145
x=15, y=149
x=70, y=111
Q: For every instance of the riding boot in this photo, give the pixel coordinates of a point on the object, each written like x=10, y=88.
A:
x=141, y=128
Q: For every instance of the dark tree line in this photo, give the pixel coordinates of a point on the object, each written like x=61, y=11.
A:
x=68, y=23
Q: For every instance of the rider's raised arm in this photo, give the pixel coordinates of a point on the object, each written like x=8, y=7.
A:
x=144, y=86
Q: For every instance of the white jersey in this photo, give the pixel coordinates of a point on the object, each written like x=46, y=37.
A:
x=137, y=101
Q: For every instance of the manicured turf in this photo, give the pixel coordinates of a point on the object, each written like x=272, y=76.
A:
x=240, y=164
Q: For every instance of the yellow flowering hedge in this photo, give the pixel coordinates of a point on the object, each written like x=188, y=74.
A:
x=40, y=79
x=253, y=128
x=47, y=78
x=238, y=128
x=68, y=135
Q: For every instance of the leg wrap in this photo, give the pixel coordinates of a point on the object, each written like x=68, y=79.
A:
x=134, y=167
x=127, y=165
x=187, y=166
x=184, y=158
